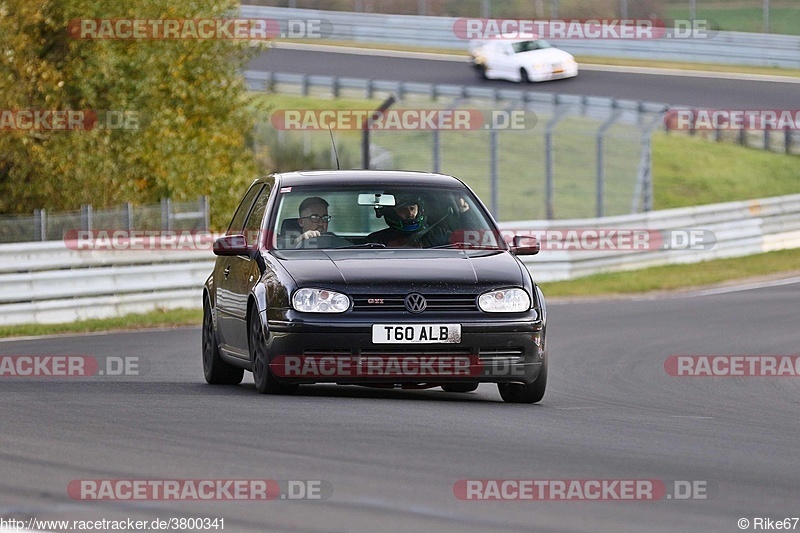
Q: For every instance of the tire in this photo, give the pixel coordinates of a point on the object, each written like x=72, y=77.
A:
x=531, y=393
x=523, y=76
x=460, y=387
x=481, y=70
x=263, y=377
x=215, y=370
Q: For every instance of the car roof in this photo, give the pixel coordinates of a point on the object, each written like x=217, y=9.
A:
x=367, y=177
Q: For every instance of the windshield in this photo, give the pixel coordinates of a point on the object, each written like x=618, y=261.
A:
x=381, y=217
x=529, y=46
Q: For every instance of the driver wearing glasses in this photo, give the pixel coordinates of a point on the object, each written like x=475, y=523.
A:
x=313, y=219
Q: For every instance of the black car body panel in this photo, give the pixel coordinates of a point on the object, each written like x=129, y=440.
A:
x=501, y=347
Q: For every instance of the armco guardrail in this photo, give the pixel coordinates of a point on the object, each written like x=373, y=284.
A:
x=738, y=48
x=49, y=282
x=738, y=229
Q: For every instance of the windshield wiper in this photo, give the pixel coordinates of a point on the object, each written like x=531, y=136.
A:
x=365, y=245
x=466, y=245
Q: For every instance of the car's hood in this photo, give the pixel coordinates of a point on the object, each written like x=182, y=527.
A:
x=368, y=270
x=547, y=55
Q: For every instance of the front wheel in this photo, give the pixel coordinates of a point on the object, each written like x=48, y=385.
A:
x=215, y=370
x=262, y=375
x=523, y=76
x=522, y=393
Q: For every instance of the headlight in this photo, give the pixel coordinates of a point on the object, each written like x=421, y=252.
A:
x=320, y=301
x=504, y=301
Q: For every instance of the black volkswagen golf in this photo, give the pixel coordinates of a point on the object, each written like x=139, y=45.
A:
x=378, y=278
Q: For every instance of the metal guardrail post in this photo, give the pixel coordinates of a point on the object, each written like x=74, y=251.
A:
x=304, y=85
x=335, y=86
x=766, y=138
x=787, y=140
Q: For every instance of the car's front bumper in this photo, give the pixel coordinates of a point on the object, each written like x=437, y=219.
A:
x=491, y=351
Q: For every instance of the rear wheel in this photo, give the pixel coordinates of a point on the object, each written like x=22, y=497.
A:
x=460, y=387
x=521, y=393
x=215, y=370
x=262, y=376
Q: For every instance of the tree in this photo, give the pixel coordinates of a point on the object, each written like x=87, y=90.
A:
x=187, y=98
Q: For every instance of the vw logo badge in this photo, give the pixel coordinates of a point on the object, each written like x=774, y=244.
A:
x=415, y=302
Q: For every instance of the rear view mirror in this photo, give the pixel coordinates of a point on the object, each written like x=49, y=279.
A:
x=376, y=199
x=231, y=245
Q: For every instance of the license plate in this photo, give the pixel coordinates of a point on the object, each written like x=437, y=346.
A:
x=416, y=333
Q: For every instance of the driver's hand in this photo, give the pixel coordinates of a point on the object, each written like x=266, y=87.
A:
x=310, y=234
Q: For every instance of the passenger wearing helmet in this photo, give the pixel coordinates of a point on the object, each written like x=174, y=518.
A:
x=407, y=225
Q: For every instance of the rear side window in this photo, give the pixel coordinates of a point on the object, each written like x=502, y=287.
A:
x=236, y=226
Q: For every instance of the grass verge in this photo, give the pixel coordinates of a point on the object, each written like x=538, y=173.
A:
x=153, y=319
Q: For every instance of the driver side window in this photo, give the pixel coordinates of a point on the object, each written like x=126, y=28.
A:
x=252, y=226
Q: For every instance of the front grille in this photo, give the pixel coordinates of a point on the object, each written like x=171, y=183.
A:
x=436, y=302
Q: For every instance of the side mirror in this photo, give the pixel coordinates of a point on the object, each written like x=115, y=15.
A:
x=525, y=245
x=231, y=245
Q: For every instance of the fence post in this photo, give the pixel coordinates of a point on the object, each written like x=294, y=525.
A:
x=787, y=140
x=437, y=151
x=129, y=216
x=549, y=187
x=601, y=175
x=493, y=175
x=39, y=225
x=166, y=214
x=206, y=213
x=86, y=217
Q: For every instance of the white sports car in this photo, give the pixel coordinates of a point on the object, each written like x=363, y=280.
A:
x=521, y=59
